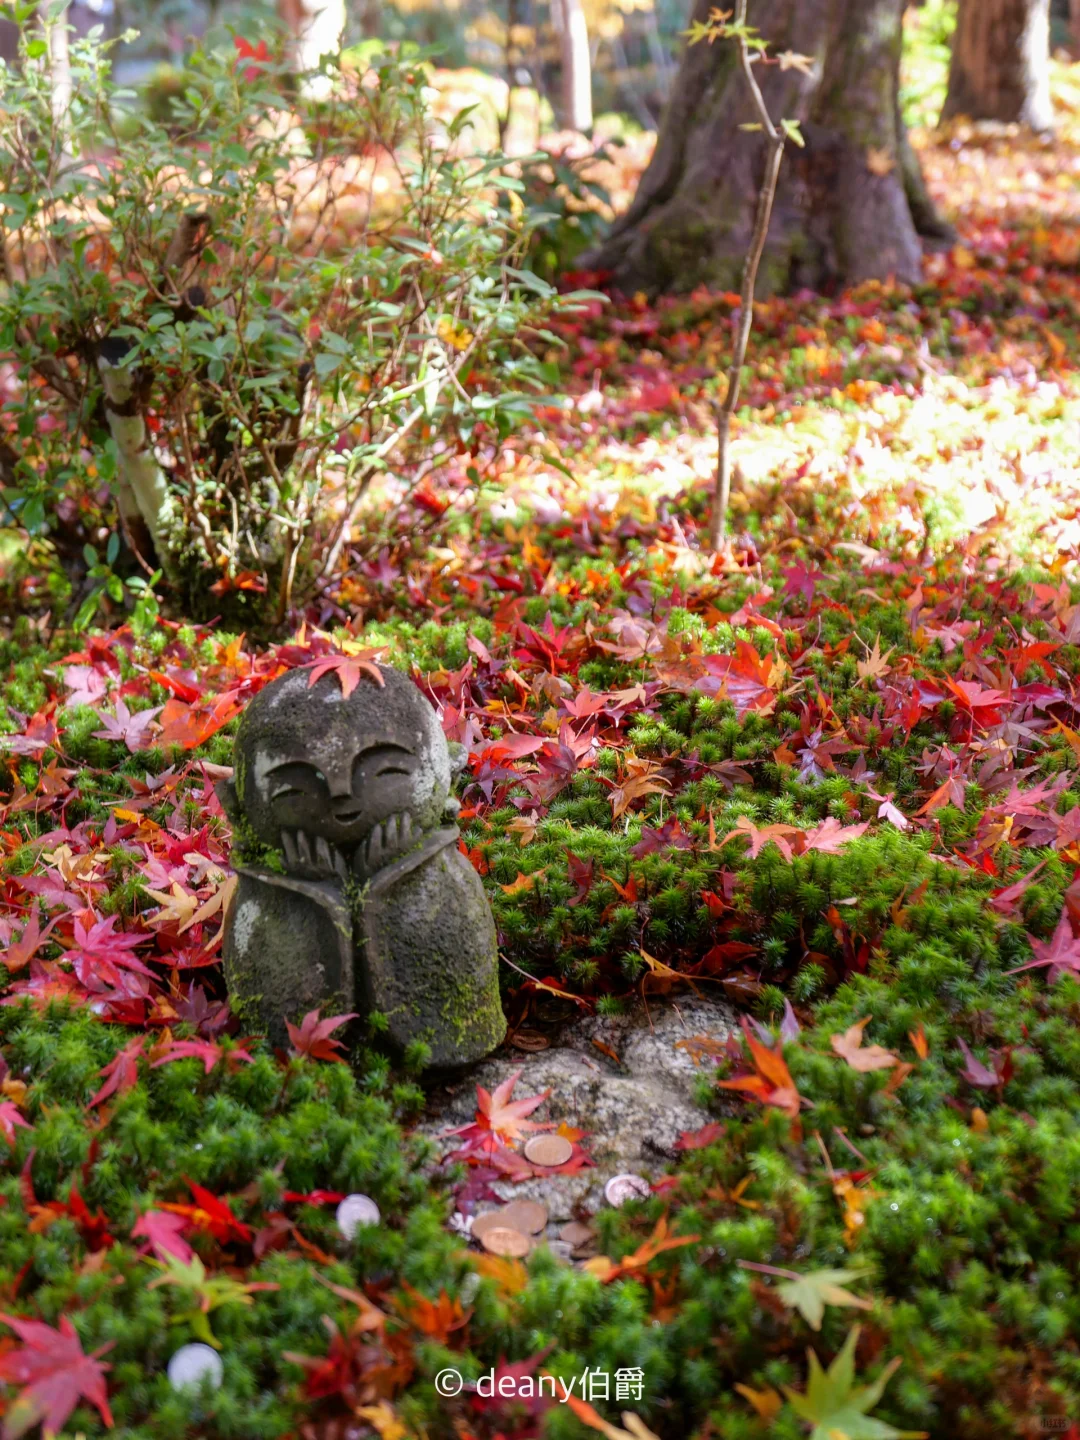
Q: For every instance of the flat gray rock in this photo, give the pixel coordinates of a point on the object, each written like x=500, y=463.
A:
x=633, y=1111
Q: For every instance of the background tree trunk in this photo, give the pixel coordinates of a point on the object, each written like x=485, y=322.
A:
x=1001, y=62
x=851, y=206
x=56, y=29
x=573, y=33
x=316, y=28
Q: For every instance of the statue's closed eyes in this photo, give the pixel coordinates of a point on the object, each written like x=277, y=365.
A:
x=352, y=889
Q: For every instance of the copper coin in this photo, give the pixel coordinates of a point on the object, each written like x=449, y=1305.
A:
x=485, y=1221
x=548, y=1150
x=530, y=1040
x=621, y=1188
x=503, y=1241
x=576, y=1234
x=528, y=1216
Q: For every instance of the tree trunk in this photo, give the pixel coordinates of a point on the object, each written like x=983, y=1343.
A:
x=315, y=28
x=576, y=64
x=851, y=206
x=1001, y=62
x=56, y=28
x=9, y=43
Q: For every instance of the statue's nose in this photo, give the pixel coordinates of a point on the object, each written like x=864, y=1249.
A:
x=345, y=805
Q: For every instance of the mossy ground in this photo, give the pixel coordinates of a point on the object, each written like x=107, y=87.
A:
x=967, y=1196
x=932, y=434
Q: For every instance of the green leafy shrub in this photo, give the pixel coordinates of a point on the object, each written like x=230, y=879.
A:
x=248, y=301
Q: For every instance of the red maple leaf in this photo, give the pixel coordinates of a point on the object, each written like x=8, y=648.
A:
x=743, y=678
x=56, y=1373
x=210, y=1215
x=780, y=835
x=246, y=51
x=800, y=580
x=206, y=1051
x=830, y=836
x=770, y=1082
x=39, y=735
x=505, y=1117
x=1061, y=952
x=699, y=1139
x=978, y=1074
x=93, y=1227
x=122, y=1072
x=165, y=1233
x=579, y=873
x=132, y=729
x=99, y=954
x=312, y=1037
x=10, y=1118
x=347, y=669
x=21, y=951
x=499, y=1116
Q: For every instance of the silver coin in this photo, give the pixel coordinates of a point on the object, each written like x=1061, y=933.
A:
x=355, y=1211
x=192, y=1363
x=621, y=1188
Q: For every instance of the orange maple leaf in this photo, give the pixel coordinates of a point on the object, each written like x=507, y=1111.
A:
x=607, y=1270
x=505, y=1117
x=434, y=1318
x=863, y=1058
x=771, y=1081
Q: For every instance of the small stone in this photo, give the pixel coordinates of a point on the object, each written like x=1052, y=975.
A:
x=510, y=1243
x=621, y=1188
x=561, y=1251
x=548, y=1150
x=528, y=1216
x=191, y=1363
x=356, y=1211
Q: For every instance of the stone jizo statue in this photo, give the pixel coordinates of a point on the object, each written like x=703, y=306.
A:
x=353, y=894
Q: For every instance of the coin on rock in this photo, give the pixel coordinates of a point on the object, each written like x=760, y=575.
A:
x=530, y=1041
x=621, y=1188
x=191, y=1363
x=548, y=1150
x=576, y=1234
x=528, y=1216
x=504, y=1241
x=356, y=1211
x=485, y=1221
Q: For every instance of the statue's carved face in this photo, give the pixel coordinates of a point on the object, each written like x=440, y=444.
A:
x=325, y=777
x=344, y=801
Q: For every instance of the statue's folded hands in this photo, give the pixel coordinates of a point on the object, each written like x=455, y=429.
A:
x=312, y=855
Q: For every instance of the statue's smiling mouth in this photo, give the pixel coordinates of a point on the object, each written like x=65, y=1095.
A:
x=348, y=817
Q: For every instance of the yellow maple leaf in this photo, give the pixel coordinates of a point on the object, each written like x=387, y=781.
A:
x=383, y=1418
x=454, y=335
x=766, y=1402
x=875, y=663
x=177, y=906
x=523, y=882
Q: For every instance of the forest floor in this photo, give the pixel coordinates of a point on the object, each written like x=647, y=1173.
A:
x=835, y=780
